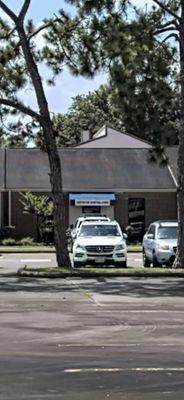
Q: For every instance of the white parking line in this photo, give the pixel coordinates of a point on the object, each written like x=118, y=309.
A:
x=134, y=369
x=35, y=260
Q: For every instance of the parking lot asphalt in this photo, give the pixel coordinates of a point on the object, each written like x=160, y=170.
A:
x=10, y=263
x=100, y=339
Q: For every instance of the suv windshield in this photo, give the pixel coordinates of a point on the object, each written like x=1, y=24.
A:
x=168, y=232
x=99, y=230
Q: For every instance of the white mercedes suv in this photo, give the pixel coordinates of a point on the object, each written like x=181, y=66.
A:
x=100, y=242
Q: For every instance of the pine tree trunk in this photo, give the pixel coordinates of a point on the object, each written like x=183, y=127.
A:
x=62, y=255
x=60, y=219
x=179, y=262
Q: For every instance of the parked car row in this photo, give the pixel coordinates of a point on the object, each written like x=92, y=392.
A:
x=96, y=239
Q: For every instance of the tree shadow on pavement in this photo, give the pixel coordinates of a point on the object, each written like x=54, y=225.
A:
x=132, y=287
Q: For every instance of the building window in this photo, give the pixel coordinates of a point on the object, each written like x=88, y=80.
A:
x=136, y=218
x=91, y=209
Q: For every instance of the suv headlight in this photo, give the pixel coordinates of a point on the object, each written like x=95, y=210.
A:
x=79, y=247
x=162, y=246
x=120, y=246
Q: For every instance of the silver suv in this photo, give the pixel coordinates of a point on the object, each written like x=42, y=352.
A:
x=160, y=243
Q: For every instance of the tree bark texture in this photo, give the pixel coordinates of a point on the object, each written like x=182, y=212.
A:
x=179, y=262
x=59, y=201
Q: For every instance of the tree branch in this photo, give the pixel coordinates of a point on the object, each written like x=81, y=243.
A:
x=20, y=107
x=172, y=35
x=163, y=30
x=41, y=28
x=24, y=10
x=49, y=24
x=170, y=23
x=8, y=12
x=167, y=9
x=7, y=35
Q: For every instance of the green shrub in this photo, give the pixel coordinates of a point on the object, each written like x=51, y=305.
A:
x=27, y=241
x=7, y=232
x=9, y=242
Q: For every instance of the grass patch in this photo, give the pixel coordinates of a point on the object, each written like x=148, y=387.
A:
x=50, y=249
x=134, y=248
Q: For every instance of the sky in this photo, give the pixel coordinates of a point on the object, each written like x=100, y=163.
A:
x=67, y=86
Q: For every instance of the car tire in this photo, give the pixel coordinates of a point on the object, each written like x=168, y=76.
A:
x=146, y=261
x=156, y=262
x=77, y=264
x=122, y=264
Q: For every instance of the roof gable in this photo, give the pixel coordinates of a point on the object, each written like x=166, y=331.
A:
x=108, y=137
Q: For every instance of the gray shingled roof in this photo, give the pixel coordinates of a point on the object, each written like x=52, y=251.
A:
x=172, y=153
x=86, y=169
x=27, y=168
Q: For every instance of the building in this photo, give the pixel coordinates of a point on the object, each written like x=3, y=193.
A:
x=108, y=138
x=120, y=182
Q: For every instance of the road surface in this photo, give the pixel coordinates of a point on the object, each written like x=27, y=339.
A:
x=91, y=339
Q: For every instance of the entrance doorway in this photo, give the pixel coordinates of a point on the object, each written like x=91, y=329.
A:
x=91, y=210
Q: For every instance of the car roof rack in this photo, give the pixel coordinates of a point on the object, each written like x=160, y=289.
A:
x=93, y=215
x=99, y=221
x=162, y=222
x=167, y=221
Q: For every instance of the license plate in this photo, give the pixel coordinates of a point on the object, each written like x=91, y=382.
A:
x=100, y=260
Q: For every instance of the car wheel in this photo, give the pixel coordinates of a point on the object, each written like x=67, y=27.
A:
x=122, y=264
x=146, y=262
x=170, y=262
x=77, y=264
x=156, y=262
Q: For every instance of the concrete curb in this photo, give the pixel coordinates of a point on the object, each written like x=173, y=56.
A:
x=89, y=274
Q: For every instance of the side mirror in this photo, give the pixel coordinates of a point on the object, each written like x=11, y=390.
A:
x=71, y=226
x=125, y=236
x=150, y=236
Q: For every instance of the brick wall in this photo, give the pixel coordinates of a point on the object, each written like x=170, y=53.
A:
x=158, y=205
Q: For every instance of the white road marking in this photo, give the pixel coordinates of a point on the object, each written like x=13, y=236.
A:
x=133, y=369
x=159, y=310
x=104, y=346
x=36, y=260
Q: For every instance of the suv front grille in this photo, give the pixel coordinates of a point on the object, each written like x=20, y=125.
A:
x=99, y=249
